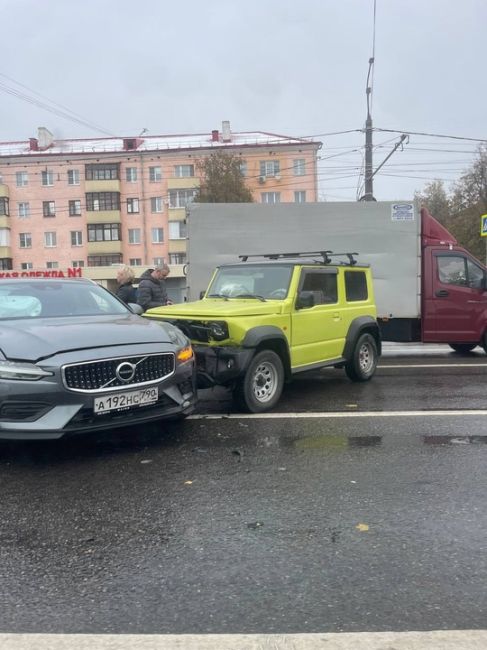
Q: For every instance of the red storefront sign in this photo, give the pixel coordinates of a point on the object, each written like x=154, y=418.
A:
x=70, y=272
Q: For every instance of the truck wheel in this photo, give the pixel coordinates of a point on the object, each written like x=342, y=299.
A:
x=363, y=362
x=463, y=348
x=261, y=387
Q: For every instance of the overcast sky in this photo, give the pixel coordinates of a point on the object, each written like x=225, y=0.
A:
x=297, y=68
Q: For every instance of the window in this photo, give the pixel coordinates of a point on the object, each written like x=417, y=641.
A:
x=102, y=172
x=26, y=266
x=132, y=206
x=76, y=238
x=183, y=171
x=300, y=197
x=322, y=284
x=76, y=264
x=104, y=232
x=134, y=235
x=355, y=286
x=157, y=235
x=74, y=208
x=181, y=198
x=47, y=177
x=4, y=207
x=177, y=230
x=104, y=260
x=299, y=167
x=6, y=264
x=96, y=201
x=49, y=208
x=269, y=168
x=73, y=176
x=155, y=174
x=243, y=167
x=135, y=261
x=21, y=179
x=52, y=265
x=271, y=197
x=177, y=258
x=131, y=174
x=25, y=240
x=158, y=261
x=460, y=271
x=4, y=236
x=156, y=204
x=23, y=210
x=50, y=239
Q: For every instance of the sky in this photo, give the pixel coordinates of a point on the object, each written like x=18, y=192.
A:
x=297, y=68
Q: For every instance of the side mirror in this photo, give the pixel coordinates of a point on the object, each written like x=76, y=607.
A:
x=137, y=309
x=202, y=294
x=305, y=300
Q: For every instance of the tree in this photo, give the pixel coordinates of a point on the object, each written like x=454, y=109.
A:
x=435, y=199
x=222, y=180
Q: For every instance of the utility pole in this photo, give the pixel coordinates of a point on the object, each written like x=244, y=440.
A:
x=369, y=174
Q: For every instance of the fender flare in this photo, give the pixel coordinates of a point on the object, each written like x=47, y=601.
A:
x=261, y=333
x=357, y=327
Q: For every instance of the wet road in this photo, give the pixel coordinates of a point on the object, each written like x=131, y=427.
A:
x=282, y=524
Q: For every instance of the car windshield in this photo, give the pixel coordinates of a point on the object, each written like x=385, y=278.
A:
x=44, y=299
x=268, y=281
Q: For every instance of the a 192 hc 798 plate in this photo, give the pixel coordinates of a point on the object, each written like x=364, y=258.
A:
x=123, y=401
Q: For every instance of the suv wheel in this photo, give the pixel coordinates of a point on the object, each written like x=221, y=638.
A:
x=261, y=387
x=363, y=362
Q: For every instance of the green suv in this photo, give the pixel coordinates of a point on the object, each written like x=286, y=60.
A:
x=270, y=316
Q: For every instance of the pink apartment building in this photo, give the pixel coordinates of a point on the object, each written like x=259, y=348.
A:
x=97, y=203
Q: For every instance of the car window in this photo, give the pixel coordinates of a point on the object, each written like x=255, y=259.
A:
x=322, y=284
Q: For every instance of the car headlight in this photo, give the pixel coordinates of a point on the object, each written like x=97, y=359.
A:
x=22, y=371
x=218, y=330
x=185, y=354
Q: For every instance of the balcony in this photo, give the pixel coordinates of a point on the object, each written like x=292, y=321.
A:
x=5, y=251
x=3, y=190
x=177, y=214
x=104, y=247
x=103, y=186
x=4, y=221
x=185, y=183
x=177, y=245
x=103, y=216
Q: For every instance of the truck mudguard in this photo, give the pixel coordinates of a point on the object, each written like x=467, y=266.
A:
x=356, y=328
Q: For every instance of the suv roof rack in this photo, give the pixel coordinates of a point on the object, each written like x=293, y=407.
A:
x=325, y=256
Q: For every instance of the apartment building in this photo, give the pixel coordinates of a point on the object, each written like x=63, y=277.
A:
x=93, y=204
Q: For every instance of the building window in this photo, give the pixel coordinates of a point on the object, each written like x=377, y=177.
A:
x=155, y=174
x=157, y=235
x=181, y=198
x=47, y=177
x=177, y=258
x=104, y=260
x=299, y=167
x=26, y=266
x=6, y=264
x=271, y=197
x=104, y=232
x=21, y=179
x=132, y=206
x=49, y=208
x=4, y=236
x=77, y=264
x=73, y=176
x=300, y=197
x=76, y=238
x=96, y=201
x=4, y=207
x=183, y=171
x=74, y=208
x=243, y=167
x=269, y=168
x=25, y=240
x=23, y=210
x=102, y=172
x=52, y=265
x=131, y=174
x=158, y=261
x=50, y=239
x=135, y=261
x=177, y=230
x=134, y=235
x=156, y=204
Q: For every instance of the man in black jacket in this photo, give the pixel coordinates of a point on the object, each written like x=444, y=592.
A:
x=152, y=288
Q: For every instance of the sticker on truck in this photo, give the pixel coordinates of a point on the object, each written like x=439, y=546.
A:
x=402, y=212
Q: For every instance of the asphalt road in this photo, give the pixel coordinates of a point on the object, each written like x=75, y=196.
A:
x=372, y=517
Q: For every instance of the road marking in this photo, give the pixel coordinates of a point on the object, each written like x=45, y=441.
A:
x=435, y=640
x=334, y=414
x=434, y=365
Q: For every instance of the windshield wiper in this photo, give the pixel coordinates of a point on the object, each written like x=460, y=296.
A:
x=250, y=295
x=217, y=295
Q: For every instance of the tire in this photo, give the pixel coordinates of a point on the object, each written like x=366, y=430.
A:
x=261, y=387
x=362, y=365
x=462, y=348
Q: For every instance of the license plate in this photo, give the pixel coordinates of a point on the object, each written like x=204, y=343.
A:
x=123, y=401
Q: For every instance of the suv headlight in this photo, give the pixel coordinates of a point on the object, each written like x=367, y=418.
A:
x=22, y=371
x=218, y=330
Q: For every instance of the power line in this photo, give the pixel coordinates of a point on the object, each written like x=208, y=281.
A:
x=431, y=135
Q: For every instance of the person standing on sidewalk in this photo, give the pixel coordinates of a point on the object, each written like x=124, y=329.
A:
x=152, y=288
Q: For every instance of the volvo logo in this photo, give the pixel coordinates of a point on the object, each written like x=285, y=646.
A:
x=125, y=371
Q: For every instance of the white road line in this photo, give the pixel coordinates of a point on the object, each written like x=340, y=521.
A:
x=333, y=414
x=433, y=365
x=436, y=640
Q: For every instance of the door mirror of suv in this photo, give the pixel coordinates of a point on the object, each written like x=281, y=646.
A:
x=305, y=300
x=137, y=309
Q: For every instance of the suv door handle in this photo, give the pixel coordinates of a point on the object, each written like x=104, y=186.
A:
x=336, y=316
x=442, y=293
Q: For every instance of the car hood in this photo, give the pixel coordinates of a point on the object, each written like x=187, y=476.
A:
x=31, y=340
x=218, y=309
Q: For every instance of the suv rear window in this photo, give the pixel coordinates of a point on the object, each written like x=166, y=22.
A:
x=355, y=286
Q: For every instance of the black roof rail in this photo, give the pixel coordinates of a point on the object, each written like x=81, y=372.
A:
x=325, y=256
